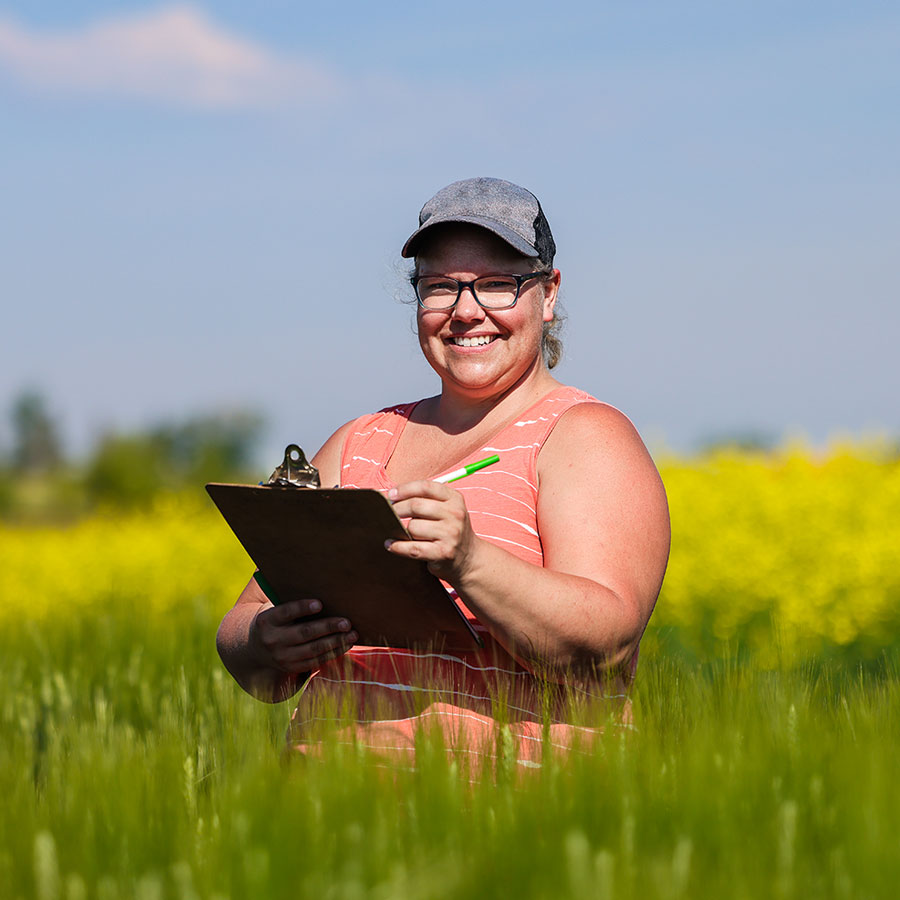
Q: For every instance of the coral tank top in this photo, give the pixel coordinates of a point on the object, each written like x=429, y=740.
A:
x=393, y=691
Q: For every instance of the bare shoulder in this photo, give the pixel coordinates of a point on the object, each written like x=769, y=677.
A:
x=328, y=459
x=593, y=434
x=602, y=510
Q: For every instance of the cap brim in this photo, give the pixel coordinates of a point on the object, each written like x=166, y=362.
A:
x=516, y=241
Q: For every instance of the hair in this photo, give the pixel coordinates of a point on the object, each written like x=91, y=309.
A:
x=551, y=342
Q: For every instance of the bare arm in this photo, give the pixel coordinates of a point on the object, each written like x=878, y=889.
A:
x=604, y=526
x=270, y=650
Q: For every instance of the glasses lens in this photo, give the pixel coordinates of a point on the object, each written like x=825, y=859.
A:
x=496, y=291
x=436, y=293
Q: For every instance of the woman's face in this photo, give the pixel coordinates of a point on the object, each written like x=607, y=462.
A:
x=513, y=347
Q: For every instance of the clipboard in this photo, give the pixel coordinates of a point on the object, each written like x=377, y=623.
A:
x=329, y=544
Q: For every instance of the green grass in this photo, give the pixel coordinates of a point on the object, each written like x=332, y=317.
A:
x=131, y=766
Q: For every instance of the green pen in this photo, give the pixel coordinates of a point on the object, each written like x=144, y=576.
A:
x=467, y=470
x=266, y=588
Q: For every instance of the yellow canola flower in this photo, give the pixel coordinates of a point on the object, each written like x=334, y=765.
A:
x=786, y=553
x=178, y=551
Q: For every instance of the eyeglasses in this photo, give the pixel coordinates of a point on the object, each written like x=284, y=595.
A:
x=438, y=292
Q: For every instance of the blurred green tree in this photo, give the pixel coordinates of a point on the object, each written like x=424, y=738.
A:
x=130, y=469
x=36, y=441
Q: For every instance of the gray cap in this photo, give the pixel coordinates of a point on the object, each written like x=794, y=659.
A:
x=504, y=208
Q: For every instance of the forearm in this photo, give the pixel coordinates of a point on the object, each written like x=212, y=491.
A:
x=548, y=619
x=233, y=643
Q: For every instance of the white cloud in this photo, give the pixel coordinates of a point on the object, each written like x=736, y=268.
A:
x=175, y=55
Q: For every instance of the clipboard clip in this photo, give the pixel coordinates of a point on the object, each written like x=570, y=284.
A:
x=296, y=471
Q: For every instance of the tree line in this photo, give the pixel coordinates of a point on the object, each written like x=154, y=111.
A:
x=38, y=479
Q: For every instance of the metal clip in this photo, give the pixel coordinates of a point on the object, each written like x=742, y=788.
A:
x=295, y=471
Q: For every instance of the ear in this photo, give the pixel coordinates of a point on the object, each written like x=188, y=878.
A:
x=551, y=291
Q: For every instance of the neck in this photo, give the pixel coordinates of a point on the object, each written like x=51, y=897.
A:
x=456, y=411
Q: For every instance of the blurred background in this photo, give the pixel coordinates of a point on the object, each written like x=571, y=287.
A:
x=203, y=206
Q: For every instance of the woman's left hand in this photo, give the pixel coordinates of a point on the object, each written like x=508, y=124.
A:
x=438, y=523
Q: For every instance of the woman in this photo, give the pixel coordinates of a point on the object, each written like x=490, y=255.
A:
x=556, y=553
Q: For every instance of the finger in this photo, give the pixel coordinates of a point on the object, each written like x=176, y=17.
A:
x=421, y=488
x=329, y=655
x=307, y=656
x=426, y=550
x=313, y=629
x=421, y=508
x=429, y=530
x=286, y=613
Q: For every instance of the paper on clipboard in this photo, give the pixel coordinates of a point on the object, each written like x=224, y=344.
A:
x=329, y=545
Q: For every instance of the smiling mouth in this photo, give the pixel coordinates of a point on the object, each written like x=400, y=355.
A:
x=480, y=341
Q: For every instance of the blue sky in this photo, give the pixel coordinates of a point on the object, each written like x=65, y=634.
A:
x=203, y=204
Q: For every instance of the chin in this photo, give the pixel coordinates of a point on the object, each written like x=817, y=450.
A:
x=482, y=382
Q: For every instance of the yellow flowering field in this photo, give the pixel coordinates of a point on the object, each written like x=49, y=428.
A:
x=179, y=551
x=783, y=555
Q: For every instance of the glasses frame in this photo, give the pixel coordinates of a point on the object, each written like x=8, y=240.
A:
x=462, y=285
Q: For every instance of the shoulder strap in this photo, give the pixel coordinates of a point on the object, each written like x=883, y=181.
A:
x=369, y=444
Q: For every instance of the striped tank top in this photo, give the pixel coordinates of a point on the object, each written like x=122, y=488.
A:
x=392, y=691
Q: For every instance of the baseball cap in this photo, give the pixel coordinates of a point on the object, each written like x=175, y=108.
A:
x=504, y=208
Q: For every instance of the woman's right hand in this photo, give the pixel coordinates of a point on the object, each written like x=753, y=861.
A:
x=284, y=638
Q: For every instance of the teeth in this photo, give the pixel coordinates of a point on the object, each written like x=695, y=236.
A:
x=472, y=341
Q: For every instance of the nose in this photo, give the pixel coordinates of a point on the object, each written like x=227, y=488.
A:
x=467, y=308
